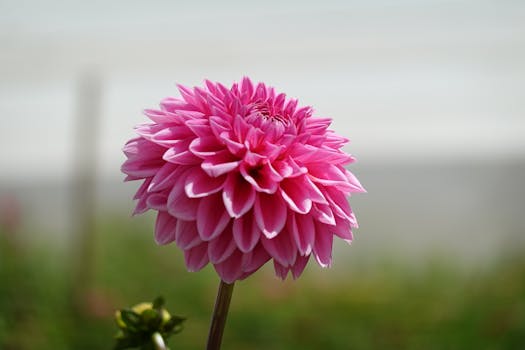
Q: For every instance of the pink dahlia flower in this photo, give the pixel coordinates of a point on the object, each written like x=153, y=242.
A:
x=240, y=176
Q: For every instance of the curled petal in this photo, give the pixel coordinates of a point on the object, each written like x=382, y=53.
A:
x=165, y=228
x=199, y=184
x=260, y=178
x=298, y=267
x=212, y=218
x=166, y=177
x=230, y=269
x=299, y=193
x=246, y=233
x=329, y=175
x=199, y=127
x=280, y=270
x=281, y=248
x=186, y=235
x=179, y=205
x=323, y=213
x=158, y=201
x=238, y=195
x=142, y=149
x=222, y=247
x=197, y=257
x=142, y=196
x=143, y=189
x=270, y=214
x=254, y=259
x=354, y=182
x=338, y=202
x=323, y=247
x=342, y=229
x=205, y=146
x=302, y=229
x=183, y=157
x=289, y=168
x=165, y=135
x=221, y=163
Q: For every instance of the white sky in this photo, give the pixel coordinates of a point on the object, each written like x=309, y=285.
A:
x=403, y=80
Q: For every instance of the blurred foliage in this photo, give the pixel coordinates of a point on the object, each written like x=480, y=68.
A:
x=388, y=305
x=141, y=325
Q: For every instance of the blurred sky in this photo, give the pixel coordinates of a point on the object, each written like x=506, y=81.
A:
x=404, y=80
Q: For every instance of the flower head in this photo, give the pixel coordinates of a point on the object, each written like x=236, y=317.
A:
x=240, y=176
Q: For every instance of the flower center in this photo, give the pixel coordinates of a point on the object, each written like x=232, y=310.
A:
x=268, y=113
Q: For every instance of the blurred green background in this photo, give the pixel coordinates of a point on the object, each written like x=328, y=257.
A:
x=387, y=304
x=430, y=92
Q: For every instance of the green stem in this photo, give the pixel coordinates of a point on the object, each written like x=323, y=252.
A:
x=158, y=341
x=218, y=321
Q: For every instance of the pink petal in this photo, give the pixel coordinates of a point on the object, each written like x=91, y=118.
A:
x=142, y=196
x=240, y=129
x=166, y=177
x=323, y=213
x=354, y=182
x=338, y=202
x=260, y=178
x=302, y=229
x=234, y=147
x=280, y=270
x=247, y=89
x=270, y=214
x=142, y=149
x=205, y=146
x=187, y=94
x=163, y=135
x=300, y=264
x=200, y=127
x=253, y=260
x=342, y=229
x=219, y=125
x=221, y=247
x=184, y=157
x=179, y=205
x=165, y=228
x=160, y=116
x=142, y=169
x=199, y=184
x=311, y=154
x=295, y=195
x=141, y=206
x=197, y=257
x=299, y=192
x=238, y=195
x=212, y=218
x=143, y=189
x=222, y=163
x=230, y=269
x=290, y=106
x=158, y=201
x=186, y=235
x=281, y=248
x=323, y=247
x=246, y=233
x=329, y=175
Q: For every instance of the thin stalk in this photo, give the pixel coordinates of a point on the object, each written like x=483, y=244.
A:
x=220, y=313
